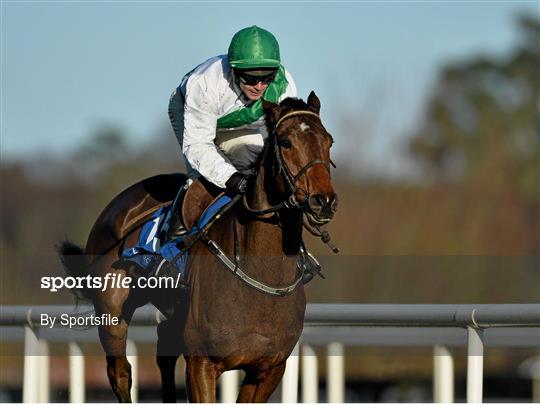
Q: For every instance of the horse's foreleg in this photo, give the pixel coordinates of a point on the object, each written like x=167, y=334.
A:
x=169, y=348
x=113, y=340
x=119, y=373
x=201, y=377
x=258, y=387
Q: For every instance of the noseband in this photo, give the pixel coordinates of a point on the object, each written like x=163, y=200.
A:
x=290, y=179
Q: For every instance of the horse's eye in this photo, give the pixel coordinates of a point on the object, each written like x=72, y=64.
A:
x=284, y=143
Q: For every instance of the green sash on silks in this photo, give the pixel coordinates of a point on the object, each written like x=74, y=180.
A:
x=254, y=111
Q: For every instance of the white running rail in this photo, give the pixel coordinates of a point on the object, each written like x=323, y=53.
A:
x=333, y=326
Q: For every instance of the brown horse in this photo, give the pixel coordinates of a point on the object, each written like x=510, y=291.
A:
x=222, y=323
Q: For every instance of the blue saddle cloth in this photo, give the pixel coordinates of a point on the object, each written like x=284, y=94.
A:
x=149, y=246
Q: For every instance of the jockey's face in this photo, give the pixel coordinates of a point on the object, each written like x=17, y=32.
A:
x=254, y=82
x=253, y=92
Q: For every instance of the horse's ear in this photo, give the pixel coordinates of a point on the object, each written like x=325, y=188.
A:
x=313, y=102
x=271, y=110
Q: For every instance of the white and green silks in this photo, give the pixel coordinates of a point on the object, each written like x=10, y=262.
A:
x=219, y=129
x=254, y=111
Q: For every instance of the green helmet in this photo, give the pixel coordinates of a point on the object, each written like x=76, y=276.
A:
x=253, y=47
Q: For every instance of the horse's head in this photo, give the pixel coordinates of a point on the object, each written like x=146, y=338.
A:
x=298, y=156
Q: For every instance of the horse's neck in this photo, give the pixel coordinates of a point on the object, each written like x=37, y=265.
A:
x=279, y=236
x=258, y=198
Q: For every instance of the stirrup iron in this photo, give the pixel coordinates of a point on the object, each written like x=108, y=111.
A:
x=308, y=265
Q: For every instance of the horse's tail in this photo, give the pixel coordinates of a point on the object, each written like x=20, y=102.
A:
x=75, y=262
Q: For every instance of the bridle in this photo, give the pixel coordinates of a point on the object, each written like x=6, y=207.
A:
x=290, y=203
x=290, y=179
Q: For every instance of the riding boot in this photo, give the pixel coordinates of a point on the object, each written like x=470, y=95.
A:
x=173, y=227
x=308, y=265
x=176, y=227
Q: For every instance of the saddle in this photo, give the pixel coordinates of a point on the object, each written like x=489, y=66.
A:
x=195, y=207
x=200, y=194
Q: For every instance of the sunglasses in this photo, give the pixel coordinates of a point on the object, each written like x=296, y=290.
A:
x=251, y=80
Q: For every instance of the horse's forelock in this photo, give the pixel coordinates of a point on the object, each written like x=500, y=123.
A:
x=293, y=103
x=273, y=112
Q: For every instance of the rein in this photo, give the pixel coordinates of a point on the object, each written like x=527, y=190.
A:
x=233, y=266
x=235, y=269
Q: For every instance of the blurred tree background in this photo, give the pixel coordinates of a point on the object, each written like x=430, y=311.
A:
x=482, y=120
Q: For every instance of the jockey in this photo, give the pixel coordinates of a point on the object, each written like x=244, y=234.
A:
x=216, y=112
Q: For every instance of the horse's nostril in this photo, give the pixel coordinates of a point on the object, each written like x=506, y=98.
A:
x=323, y=205
x=317, y=202
x=334, y=203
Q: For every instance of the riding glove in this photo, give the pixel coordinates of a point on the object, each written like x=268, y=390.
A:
x=237, y=184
